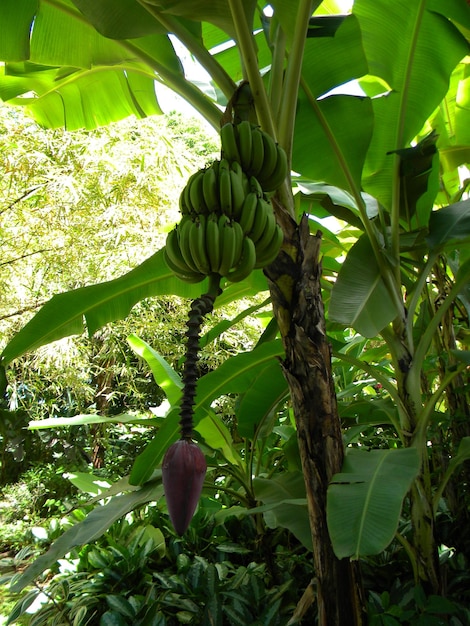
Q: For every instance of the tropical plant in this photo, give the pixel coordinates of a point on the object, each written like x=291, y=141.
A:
x=51, y=182
x=135, y=574
x=379, y=162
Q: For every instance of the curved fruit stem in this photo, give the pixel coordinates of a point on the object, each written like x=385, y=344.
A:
x=199, y=308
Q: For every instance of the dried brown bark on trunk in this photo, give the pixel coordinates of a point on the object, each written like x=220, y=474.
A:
x=296, y=294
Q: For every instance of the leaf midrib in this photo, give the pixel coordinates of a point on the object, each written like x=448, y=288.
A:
x=367, y=501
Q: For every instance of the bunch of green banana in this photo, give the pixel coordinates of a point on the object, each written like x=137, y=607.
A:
x=212, y=244
x=256, y=151
x=219, y=188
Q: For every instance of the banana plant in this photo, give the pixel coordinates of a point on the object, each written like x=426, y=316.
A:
x=80, y=63
x=238, y=471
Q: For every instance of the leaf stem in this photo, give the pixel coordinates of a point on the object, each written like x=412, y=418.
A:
x=165, y=76
x=293, y=74
x=203, y=56
x=235, y=495
x=426, y=413
x=410, y=551
x=380, y=378
x=413, y=302
x=177, y=83
x=249, y=59
x=404, y=93
x=427, y=336
x=453, y=464
x=276, y=75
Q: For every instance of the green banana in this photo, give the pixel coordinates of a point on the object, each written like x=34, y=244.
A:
x=197, y=245
x=196, y=194
x=188, y=276
x=248, y=212
x=173, y=252
x=256, y=187
x=272, y=250
x=243, y=131
x=184, y=238
x=210, y=189
x=257, y=151
x=237, y=168
x=246, y=263
x=277, y=176
x=215, y=166
x=224, y=165
x=186, y=202
x=238, y=171
x=187, y=192
x=184, y=209
x=263, y=207
x=229, y=143
x=238, y=193
x=213, y=242
x=268, y=231
x=227, y=245
x=225, y=191
x=238, y=237
x=270, y=158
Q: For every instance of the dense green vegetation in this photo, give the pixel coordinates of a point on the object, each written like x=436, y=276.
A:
x=335, y=424
x=57, y=189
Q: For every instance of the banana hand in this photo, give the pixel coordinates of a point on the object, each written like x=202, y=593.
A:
x=176, y=263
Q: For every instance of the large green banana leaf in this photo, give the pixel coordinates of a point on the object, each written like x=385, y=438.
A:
x=359, y=297
x=413, y=47
x=365, y=499
x=65, y=313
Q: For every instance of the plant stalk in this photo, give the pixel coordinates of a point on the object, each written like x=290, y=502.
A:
x=307, y=368
x=292, y=77
x=201, y=54
x=199, y=308
x=246, y=45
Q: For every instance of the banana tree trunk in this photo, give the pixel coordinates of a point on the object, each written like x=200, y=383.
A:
x=296, y=295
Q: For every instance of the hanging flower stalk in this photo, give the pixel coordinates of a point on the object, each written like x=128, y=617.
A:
x=184, y=465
